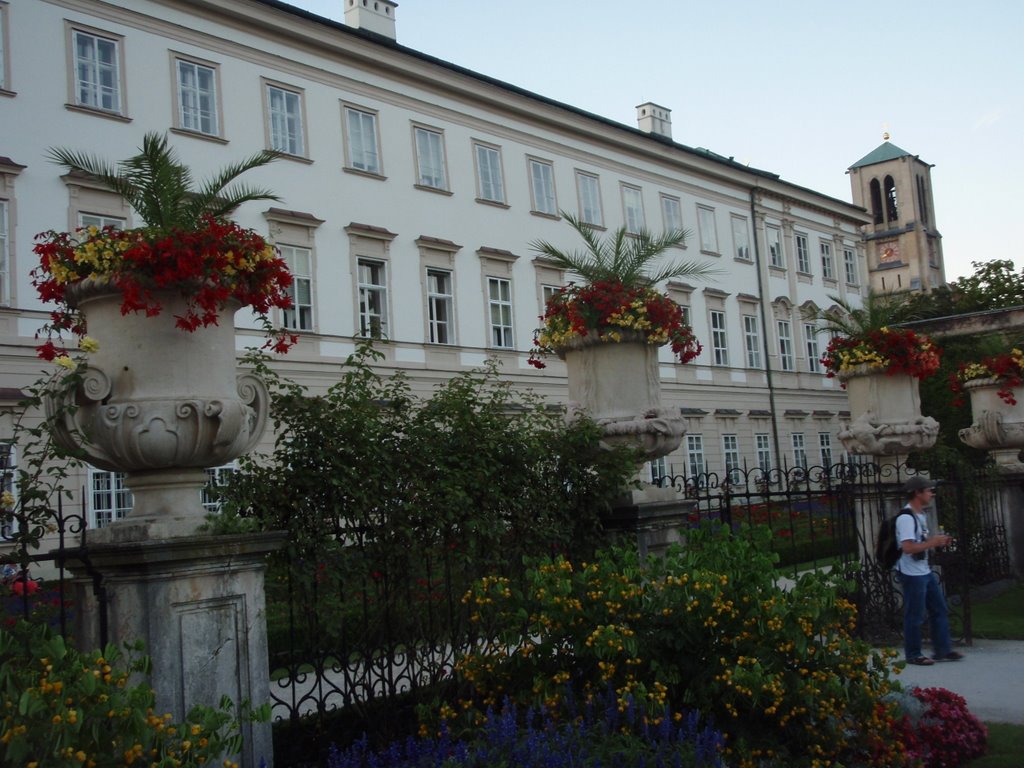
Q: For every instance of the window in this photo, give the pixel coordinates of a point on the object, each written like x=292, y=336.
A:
x=542, y=187
x=891, y=202
x=813, y=353
x=215, y=478
x=491, y=187
x=731, y=456
x=828, y=268
x=803, y=256
x=499, y=298
x=373, y=298
x=799, y=451
x=719, y=339
x=752, y=341
x=671, y=213
x=109, y=499
x=763, y=446
x=850, y=265
x=430, y=164
x=785, y=345
x=97, y=71
x=695, y=455
x=8, y=471
x=100, y=221
x=740, y=238
x=548, y=292
x=706, y=224
x=876, y=201
x=4, y=79
x=658, y=468
x=197, y=97
x=5, y=254
x=440, y=301
x=589, y=192
x=825, y=447
x=775, y=255
x=361, y=135
x=300, y=263
x=633, y=208
x=287, y=129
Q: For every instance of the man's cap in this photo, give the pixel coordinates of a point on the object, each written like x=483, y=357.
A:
x=918, y=483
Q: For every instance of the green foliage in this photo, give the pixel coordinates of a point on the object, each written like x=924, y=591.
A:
x=993, y=284
x=704, y=627
x=157, y=185
x=999, y=617
x=63, y=708
x=624, y=257
x=878, y=311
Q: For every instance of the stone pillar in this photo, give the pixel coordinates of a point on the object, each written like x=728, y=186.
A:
x=1011, y=500
x=198, y=605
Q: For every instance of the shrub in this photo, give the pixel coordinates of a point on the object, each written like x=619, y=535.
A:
x=938, y=728
x=599, y=736
x=703, y=628
x=63, y=708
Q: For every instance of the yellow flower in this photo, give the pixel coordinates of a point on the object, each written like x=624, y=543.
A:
x=88, y=344
x=65, y=362
x=7, y=500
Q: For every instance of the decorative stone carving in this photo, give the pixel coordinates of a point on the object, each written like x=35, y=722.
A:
x=618, y=385
x=998, y=427
x=161, y=404
x=886, y=411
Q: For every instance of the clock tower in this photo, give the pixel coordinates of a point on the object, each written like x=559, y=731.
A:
x=903, y=245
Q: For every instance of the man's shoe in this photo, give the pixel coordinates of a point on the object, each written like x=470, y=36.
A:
x=951, y=656
x=921, y=661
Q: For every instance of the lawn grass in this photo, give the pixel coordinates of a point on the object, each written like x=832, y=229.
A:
x=1000, y=617
x=1005, y=747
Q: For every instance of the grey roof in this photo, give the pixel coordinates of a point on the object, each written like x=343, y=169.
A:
x=885, y=151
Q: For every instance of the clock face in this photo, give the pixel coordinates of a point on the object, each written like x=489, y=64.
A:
x=888, y=251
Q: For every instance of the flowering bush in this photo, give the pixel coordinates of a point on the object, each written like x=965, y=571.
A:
x=885, y=349
x=706, y=627
x=1007, y=369
x=938, y=729
x=610, y=311
x=63, y=708
x=212, y=265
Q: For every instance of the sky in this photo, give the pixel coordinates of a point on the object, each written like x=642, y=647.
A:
x=801, y=88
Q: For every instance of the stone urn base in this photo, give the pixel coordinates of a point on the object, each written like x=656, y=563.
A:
x=998, y=426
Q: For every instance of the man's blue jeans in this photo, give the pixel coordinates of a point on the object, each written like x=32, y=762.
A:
x=921, y=594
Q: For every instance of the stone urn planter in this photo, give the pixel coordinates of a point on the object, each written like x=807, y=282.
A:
x=617, y=383
x=161, y=404
x=886, y=414
x=998, y=426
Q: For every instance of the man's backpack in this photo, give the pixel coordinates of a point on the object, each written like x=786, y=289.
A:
x=886, y=551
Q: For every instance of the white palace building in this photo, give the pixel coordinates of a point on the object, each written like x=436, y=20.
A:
x=411, y=190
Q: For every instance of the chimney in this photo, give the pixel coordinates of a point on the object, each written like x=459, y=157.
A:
x=652, y=118
x=377, y=16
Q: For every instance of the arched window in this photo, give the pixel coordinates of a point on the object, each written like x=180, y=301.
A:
x=891, y=209
x=876, y=200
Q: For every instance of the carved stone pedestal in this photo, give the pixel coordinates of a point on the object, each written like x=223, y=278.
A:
x=198, y=605
x=998, y=426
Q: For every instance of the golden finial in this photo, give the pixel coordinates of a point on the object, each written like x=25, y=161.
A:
x=885, y=131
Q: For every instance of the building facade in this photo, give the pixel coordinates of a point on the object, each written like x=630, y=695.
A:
x=411, y=191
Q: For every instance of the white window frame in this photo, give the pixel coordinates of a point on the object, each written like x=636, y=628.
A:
x=658, y=469
x=695, y=455
x=5, y=253
x=110, y=487
x=799, y=450
x=740, y=238
x=813, y=349
x=850, y=266
x=490, y=178
x=671, y=213
x=633, y=208
x=431, y=160
x=542, y=186
x=100, y=220
x=300, y=263
x=752, y=340
x=372, y=285
x=776, y=254
x=440, y=301
x=825, y=448
x=803, y=254
x=97, y=81
x=785, y=332
x=719, y=338
x=8, y=482
x=588, y=190
x=828, y=266
x=708, y=229
x=286, y=121
x=197, y=103
x=215, y=476
x=362, y=143
x=731, y=455
x=5, y=71
x=763, y=448
x=499, y=313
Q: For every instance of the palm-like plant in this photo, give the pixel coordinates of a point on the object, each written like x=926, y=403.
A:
x=161, y=189
x=623, y=257
x=879, y=310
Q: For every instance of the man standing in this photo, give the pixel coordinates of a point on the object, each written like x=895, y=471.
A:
x=921, y=591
